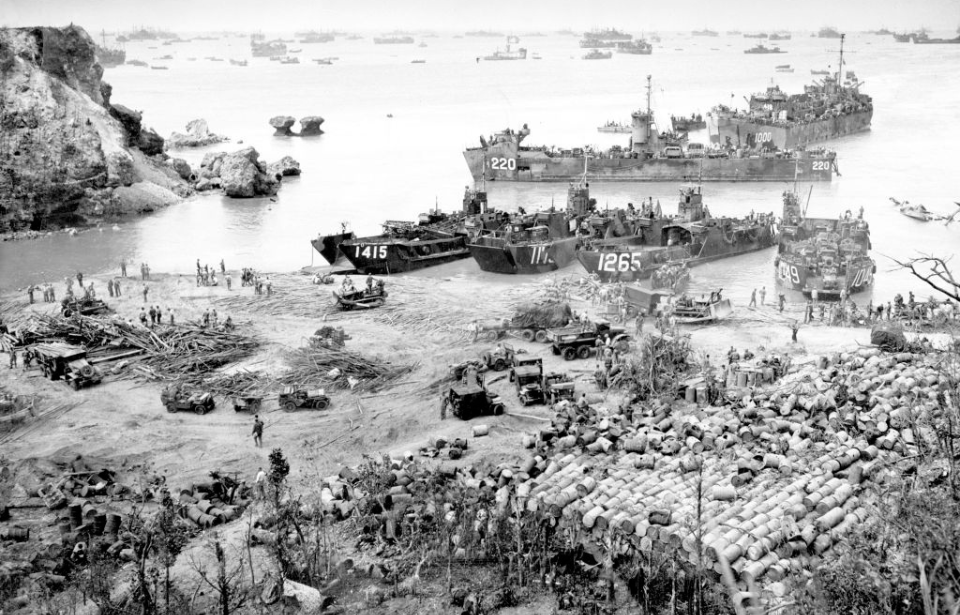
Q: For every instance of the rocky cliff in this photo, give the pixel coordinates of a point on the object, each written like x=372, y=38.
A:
x=68, y=155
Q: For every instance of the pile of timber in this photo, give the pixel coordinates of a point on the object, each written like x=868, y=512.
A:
x=339, y=367
x=162, y=353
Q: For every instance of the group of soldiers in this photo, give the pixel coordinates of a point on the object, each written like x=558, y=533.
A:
x=373, y=286
x=208, y=277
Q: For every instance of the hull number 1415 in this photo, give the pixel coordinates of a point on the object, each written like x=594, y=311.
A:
x=371, y=252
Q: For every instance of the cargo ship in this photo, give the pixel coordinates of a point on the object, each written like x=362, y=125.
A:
x=268, y=49
x=763, y=49
x=638, y=244
x=534, y=243
x=825, y=110
x=650, y=156
x=434, y=239
x=829, y=255
x=614, y=127
x=687, y=124
x=508, y=53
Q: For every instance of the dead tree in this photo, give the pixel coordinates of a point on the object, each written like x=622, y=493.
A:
x=934, y=272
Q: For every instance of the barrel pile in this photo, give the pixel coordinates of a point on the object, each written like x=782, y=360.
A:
x=778, y=475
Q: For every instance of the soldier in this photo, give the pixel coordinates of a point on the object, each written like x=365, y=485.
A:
x=206, y=319
x=80, y=278
x=223, y=267
x=229, y=281
x=170, y=312
x=763, y=294
x=30, y=290
x=213, y=318
x=13, y=358
x=146, y=289
x=257, y=431
x=110, y=287
x=93, y=293
x=159, y=316
x=793, y=331
x=369, y=282
x=753, y=298
x=123, y=268
x=269, y=285
x=153, y=316
x=116, y=288
x=142, y=317
x=783, y=300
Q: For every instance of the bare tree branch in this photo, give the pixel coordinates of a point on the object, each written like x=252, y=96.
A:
x=935, y=272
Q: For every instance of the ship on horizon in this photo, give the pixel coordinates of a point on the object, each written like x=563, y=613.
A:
x=649, y=156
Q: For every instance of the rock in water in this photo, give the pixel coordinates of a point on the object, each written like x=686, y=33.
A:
x=284, y=167
x=242, y=175
x=149, y=142
x=310, y=126
x=282, y=124
x=197, y=135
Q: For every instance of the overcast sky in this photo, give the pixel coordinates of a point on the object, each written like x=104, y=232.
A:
x=459, y=15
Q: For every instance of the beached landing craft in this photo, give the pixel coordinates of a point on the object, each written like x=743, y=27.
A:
x=534, y=243
x=691, y=237
x=649, y=157
x=829, y=255
x=434, y=239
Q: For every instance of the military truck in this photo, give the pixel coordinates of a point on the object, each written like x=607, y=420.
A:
x=64, y=361
x=292, y=398
x=175, y=398
x=466, y=401
x=558, y=386
x=528, y=376
x=573, y=342
x=501, y=357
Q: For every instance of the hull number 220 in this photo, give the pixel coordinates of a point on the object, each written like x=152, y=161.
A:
x=503, y=164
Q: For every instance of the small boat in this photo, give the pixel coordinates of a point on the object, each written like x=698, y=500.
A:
x=418, y=61
x=294, y=50
x=819, y=72
x=290, y=61
x=329, y=245
x=687, y=311
x=323, y=61
x=536, y=56
x=160, y=67
x=784, y=68
x=362, y=299
x=238, y=62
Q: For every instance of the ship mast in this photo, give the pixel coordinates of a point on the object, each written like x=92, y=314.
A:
x=840, y=68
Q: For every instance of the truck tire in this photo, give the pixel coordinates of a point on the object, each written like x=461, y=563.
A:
x=540, y=336
x=67, y=313
x=491, y=336
x=289, y=406
x=172, y=408
x=199, y=409
x=87, y=371
x=528, y=335
x=499, y=365
x=487, y=358
x=569, y=353
x=583, y=352
x=322, y=404
x=498, y=409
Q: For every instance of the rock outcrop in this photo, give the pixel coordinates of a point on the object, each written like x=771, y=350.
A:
x=69, y=146
x=241, y=174
x=281, y=125
x=284, y=167
x=310, y=126
x=198, y=134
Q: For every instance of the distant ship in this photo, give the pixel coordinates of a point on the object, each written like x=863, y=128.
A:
x=758, y=35
x=508, y=53
x=596, y=54
x=780, y=36
x=823, y=111
x=316, y=37
x=615, y=127
x=784, y=68
x=534, y=243
x=393, y=40
x=108, y=57
x=688, y=124
x=266, y=50
x=638, y=243
x=828, y=33
x=650, y=156
x=762, y=49
x=638, y=47
x=704, y=32
x=608, y=34
x=829, y=255
x=484, y=33
x=238, y=62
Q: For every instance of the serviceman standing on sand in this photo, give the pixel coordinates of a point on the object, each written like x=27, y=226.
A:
x=257, y=431
x=259, y=483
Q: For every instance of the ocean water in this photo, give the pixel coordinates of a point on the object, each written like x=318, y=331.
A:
x=369, y=167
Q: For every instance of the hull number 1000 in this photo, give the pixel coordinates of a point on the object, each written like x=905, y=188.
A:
x=503, y=164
